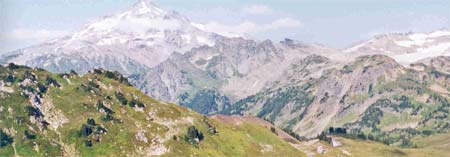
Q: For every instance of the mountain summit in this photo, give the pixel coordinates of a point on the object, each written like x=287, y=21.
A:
x=138, y=38
x=147, y=6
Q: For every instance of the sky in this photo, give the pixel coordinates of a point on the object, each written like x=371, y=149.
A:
x=336, y=23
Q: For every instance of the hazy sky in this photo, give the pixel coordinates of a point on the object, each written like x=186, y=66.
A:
x=337, y=23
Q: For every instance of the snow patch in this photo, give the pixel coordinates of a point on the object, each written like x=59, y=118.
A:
x=205, y=41
x=111, y=41
x=420, y=39
x=422, y=53
x=439, y=34
x=149, y=7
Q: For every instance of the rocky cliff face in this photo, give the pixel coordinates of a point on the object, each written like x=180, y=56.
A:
x=231, y=69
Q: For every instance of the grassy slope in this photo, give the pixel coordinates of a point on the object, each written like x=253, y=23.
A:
x=230, y=142
x=170, y=120
x=434, y=145
x=375, y=149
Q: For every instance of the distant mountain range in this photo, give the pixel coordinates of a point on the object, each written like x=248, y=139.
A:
x=393, y=87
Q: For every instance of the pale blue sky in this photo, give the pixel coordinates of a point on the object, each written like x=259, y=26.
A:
x=336, y=23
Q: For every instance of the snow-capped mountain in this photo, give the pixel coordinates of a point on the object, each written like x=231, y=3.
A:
x=136, y=39
x=405, y=48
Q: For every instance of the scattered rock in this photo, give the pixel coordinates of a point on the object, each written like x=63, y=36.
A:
x=3, y=88
x=346, y=152
x=335, y=143
x=53, y=115
x=140, y=136
x=321, y=150
x=10, y=111
x=266, y=148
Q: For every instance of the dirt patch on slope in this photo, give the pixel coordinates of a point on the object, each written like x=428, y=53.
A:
x=439, y=89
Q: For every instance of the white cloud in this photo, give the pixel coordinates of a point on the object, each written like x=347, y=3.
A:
x=285, y=23
x=20, y=37
x=250, y=28
x=21, y=34
x=257, y=9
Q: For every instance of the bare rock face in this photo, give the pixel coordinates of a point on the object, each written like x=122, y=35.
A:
x=52, y=115
x=226, y=72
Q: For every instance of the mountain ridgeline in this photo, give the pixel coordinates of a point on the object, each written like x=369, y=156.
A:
x=99, y=113
x=373, y=96
x=213, y=77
